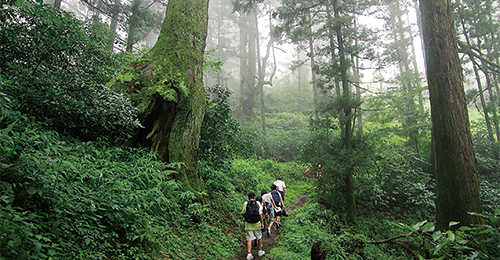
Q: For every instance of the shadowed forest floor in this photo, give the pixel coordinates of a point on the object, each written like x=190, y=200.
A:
x=269, y=243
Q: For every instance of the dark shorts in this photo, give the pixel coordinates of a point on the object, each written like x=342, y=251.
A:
x=282, y=195
x=278, y=213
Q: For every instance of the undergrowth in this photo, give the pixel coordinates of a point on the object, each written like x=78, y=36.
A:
x=66, y=199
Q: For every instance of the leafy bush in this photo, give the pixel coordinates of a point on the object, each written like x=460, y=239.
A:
x=56, y=66
x=220, y=132
x=326, y=152
x=399, y=181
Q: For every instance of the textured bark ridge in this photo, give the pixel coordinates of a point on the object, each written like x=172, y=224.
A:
x=166, y=84
x=455, y=163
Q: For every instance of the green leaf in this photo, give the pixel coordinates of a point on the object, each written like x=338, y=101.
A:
x=440, y=246
x=436, y=236
x=428, y=227
x=475, y=214
x=462, y=248
x=451, y=236
x=453, y=223
x=419, y=224
x=489, y=230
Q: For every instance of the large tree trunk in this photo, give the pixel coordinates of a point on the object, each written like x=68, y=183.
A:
x=457, y=177
x=248, y=60
x=167, y=86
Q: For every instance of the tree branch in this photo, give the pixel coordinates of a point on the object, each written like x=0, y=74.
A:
x=467, y=49
x=388, y=240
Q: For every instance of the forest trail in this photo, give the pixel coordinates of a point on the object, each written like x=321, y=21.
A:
x=269, y=243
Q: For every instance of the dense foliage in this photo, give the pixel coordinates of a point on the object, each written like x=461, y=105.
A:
x=56, y=66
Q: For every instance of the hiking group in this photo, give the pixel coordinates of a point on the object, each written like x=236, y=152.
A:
x=257, y=211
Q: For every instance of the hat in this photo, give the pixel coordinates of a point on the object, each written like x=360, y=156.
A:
x=280, y=178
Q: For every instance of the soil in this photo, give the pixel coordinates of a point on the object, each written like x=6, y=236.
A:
x=269, y=243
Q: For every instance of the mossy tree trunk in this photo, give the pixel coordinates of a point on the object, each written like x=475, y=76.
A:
x=457, y=177
x=167, y=86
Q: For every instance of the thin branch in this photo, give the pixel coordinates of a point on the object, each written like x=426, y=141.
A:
x=388, y=240
x=467, y=49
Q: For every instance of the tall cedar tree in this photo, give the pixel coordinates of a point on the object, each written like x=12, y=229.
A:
x=166, y=84
x=457, y=177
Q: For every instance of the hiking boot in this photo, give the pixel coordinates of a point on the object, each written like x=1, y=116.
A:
x=261, y=252
x=249, y=256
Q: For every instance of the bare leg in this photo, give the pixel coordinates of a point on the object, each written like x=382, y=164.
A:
x=249, y=246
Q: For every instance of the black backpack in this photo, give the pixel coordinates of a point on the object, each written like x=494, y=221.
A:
x=252, y=212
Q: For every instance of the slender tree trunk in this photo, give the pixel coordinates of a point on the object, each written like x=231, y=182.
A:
x=313, y=79
x=484, y=105
x=243, y=26
x=133, y=23
x=349, y=179
x=357, y=79
x=57, y=4
x=249, y=90
x=299, y=74
x=261, y=71
x=167, y=86
x=457, y=180
x=420, y=28
x=114, y=24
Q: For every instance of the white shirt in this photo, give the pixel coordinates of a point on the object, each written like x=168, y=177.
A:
x=280, y=185
x=267, y=198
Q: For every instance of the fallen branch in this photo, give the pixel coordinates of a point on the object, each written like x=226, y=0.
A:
x=388, y=240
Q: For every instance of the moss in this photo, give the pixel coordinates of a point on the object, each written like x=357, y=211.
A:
x=124, y=78
x=166, y=85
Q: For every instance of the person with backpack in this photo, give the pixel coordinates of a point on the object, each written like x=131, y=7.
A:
x=265, y=212
x=252, y=213
x=278, y=205
x=268, y=204
x=281, y=187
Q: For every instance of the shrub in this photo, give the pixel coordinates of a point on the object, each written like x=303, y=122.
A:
x=56, y=66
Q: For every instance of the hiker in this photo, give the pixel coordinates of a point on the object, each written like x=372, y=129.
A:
x=268, y=204
x=278, y=205
x=252, y=213
x=265, y=212
x=280, y=184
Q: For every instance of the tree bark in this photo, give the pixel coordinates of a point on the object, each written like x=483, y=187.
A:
x=167, y=86
x=313, y=82
x=57, y=4
x=349, y=179
x=133, y=24
x=114, y=24
x=457, y=179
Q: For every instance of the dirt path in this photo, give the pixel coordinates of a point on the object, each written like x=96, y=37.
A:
x=269, y=243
